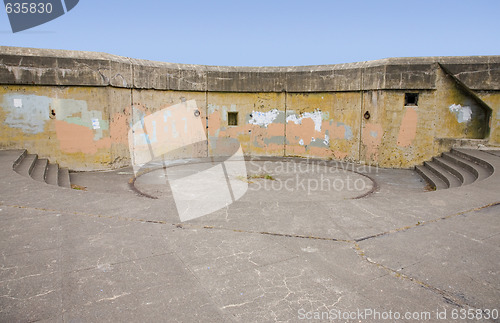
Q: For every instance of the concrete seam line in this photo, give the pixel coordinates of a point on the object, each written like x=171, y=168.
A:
x=286, y=235
x=178, y=225
x=450, y=298
x=419, y=224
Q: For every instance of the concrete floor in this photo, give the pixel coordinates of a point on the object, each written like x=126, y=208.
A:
x=108, y=254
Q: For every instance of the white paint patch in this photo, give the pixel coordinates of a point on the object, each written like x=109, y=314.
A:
x=316, y=117
x=263, y=119
x=463, y=113
x=95, y=124
x=18, y=103
x=293, y=118
x=326, y=141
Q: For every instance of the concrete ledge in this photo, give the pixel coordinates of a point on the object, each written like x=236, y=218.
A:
x=62, y=67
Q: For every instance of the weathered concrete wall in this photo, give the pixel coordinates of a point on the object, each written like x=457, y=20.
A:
x=492, y=99
x=56, y=122
x=261, y=122
x=77, y=107
x=325, y=124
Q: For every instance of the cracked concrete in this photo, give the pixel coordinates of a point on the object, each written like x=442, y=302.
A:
x=97, y=255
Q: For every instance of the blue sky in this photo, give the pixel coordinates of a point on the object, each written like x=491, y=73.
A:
x=269, y=33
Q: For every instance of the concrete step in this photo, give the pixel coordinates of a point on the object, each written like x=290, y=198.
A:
x=461, y=166
x=466, y=177
x=18, y=160
x=475, y=156
x=447, y=177
x=39, y=170
x=63, y=179
x=52, y=176
x=431, y=178
x=478, y=171
x=25, y=165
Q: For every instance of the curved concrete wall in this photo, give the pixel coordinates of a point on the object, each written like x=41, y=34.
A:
x=77, y=107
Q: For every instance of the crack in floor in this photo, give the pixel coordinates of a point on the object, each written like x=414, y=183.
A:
x=419, y=224
x=447, y=296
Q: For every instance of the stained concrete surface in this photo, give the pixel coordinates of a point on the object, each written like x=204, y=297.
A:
x=294, y=181
x=87, y=256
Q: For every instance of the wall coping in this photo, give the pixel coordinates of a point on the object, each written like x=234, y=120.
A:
x=32, y=66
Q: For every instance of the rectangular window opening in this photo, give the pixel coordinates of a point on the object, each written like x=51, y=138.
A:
x=411, y=99
x=232, y=118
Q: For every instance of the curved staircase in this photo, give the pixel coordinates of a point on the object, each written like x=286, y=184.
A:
x=29, y=165
x=457, y=168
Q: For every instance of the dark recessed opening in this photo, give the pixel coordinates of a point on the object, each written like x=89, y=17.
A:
x=232, y=118
x=411, y=99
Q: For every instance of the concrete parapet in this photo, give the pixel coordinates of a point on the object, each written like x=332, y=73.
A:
x=77, y=68
x=391, y=112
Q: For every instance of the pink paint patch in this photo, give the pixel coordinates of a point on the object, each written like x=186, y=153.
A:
x=74, y=138
x=372, y=138
x=118, y=129
x=408, y=129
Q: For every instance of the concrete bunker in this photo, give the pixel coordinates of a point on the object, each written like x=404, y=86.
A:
x=395, y=112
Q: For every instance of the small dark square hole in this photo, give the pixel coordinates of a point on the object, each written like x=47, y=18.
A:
x=232, y=118
x=411, y=99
